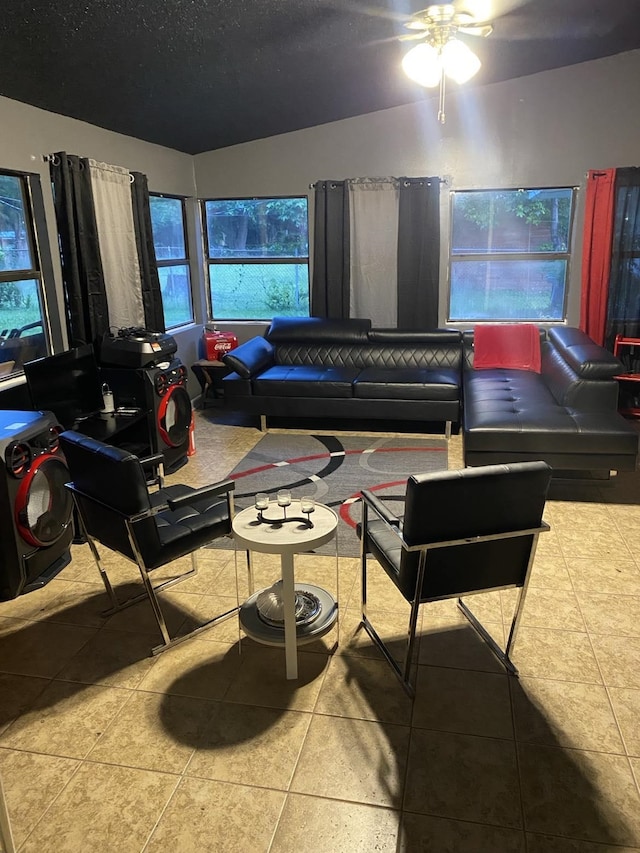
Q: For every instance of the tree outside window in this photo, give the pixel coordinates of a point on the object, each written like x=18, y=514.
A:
x=510, y=252
x=258, y=257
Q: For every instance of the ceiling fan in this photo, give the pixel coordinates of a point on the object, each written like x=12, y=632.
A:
x=441, y=54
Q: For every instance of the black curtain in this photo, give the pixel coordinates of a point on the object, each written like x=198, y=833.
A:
x=151, y=294
x=623, y=308
x=330, y=286
x=418, y=253
x=86, y=312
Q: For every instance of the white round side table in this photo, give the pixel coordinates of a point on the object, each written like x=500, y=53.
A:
x=287, y=538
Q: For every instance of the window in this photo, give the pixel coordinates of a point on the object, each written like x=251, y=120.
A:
x=172, y=256
x=509, y=256
x=22, y=312
x=258, y=256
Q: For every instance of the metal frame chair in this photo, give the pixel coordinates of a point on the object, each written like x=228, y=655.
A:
x=116, y=508
x=463, y=532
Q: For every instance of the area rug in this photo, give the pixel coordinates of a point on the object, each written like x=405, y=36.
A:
x=333, y=469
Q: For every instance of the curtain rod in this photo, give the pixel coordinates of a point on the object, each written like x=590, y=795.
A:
x=313, y=185
x=55, y=160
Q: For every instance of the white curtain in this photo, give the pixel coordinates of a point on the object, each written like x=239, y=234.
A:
x=111, y=186
x=373, y=213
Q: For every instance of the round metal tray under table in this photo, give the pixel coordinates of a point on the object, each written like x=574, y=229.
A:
x=316, y=614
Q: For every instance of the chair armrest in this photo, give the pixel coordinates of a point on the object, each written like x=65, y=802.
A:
x=221, y=488
x=380, y=508
x=155, y=464
x=147, y=461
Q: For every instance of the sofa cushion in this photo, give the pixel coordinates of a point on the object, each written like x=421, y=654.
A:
x=407, y=383
x=514, y=411
x=305, y=381
x=318, y=330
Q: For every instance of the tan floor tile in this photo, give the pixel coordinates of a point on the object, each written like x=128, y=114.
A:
x=66, y=719
x=26, y=801
x=245, y=743
x=390, y=627
x=155, y=732
x=549, y=844
x=563, y=655
x=444, y=773
x=261, y=679
x=607, y=576
x=199, y=667
x=618, y=615
x=545, y=608
x=17, y=694
x=425, y=834
x=327, y=826
x=39, y=648
x=118, y=658
x=363, y=689
x=562, y=713
x=103, y=807
x=382, y=594
x=467, y=702
x=66, y=601
x=207, y=607
x=205, y=815
x=353, y=760
x=486, y=606
x=178, y=607
x=584, y=795
x=618, y=659
x=601, y=543
x=626, y=706
x=459, y=646
x=549, y=570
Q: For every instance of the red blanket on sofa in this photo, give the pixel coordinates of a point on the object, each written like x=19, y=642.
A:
x=514, y=345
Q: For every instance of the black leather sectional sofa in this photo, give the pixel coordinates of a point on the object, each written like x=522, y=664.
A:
x=565, y=415
x=310, y=367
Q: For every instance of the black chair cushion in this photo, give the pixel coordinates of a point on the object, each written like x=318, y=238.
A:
x=188, y=527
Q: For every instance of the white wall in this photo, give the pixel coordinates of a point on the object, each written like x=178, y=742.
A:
x=544, y=130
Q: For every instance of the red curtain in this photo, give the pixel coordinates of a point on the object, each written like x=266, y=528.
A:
x=596, y=252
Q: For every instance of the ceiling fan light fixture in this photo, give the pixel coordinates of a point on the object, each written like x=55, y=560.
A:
x=459, y=61
x=422, y=64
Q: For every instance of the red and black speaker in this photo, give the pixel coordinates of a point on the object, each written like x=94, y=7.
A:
x=160, y=391
x=36, y=510
x=171, y=412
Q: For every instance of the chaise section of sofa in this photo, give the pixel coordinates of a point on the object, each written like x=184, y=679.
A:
x=313, y=367
x=565, y=415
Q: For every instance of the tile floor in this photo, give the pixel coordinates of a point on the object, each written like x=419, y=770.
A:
x=104, y=748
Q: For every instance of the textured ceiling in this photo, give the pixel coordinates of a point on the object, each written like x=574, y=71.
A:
x=197, y=75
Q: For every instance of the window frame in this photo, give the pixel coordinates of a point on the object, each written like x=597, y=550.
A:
x=43, y=271
x=250, y=261
x=566, y=256
x=173, y=262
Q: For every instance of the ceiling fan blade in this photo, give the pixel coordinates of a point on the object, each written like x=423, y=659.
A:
x=523, y=27
x=482, y=30
x=485, y=11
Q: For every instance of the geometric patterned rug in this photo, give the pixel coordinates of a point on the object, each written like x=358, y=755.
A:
x=333, y=469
